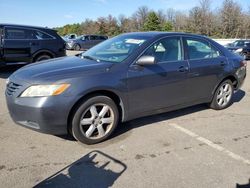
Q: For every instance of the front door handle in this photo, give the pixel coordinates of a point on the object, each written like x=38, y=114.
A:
x=183, y=69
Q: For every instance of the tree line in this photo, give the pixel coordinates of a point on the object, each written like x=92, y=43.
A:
x=227, y=21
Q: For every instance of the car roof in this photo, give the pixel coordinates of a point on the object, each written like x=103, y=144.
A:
x=162, y=33
x=23, y=26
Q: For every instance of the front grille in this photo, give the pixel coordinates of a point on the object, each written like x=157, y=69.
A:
x=12, y=88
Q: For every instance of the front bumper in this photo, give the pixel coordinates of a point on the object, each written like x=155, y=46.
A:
x=43, y=114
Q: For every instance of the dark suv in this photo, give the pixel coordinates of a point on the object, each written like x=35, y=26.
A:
x=85, y=42
x=26, y=44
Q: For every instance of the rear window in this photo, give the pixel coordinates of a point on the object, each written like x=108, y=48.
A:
x=103, y=37
x=42, y=35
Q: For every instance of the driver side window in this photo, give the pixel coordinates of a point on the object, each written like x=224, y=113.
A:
x=166, y=50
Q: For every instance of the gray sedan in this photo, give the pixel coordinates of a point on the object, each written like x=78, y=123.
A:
x=85, y=42
x=123, y=78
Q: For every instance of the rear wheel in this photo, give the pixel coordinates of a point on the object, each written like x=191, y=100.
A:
x=42, y=58
x=223, y=96
x=95, y=120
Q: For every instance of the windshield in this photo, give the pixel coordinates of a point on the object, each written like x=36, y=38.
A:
x=116, y=49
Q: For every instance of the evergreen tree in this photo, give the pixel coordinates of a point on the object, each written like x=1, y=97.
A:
x=152, y=23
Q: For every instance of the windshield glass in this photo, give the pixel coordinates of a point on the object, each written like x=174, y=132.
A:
x=116, y=49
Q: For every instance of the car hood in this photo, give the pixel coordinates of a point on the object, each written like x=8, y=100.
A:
x=59, y=69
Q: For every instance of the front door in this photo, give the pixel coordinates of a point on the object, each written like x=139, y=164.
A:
x=154, y=87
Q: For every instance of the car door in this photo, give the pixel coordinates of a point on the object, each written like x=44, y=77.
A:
x=94, y=40
x=17, y=45
x=161, y=85
x=85, y=42
x=206, y=65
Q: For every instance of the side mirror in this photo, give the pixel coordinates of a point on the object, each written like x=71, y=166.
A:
x=146, y=60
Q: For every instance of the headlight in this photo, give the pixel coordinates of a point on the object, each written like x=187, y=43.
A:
x=239, y=50
x=44, y=90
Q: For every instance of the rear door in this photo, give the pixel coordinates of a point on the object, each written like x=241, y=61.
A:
x=206, y=65
x=17, y=45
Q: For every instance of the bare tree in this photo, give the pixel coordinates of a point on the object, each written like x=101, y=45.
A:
x=231, y=14
x=140, y=16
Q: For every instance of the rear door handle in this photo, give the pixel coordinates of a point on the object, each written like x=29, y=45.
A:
x=183, y=69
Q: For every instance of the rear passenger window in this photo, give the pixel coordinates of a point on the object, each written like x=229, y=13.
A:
x=198, y=49
x=168, y=49
x=42, y=35
x=93, y=37
x=102, y=37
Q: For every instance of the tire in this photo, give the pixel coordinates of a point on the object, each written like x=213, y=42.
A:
x=94, y=120
x=223, y=96
x=42, y=58
x=77, y=47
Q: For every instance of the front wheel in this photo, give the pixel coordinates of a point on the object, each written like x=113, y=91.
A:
x=77, y=47
x=95, y=120
x=223, y=96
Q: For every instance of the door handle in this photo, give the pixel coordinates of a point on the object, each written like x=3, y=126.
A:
x=183, y=69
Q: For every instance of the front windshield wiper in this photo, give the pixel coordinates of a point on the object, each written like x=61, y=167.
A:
x=90, y=57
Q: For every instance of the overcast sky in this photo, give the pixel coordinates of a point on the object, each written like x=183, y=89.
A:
x=53, y=13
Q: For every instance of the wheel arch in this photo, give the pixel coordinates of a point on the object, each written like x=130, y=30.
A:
x=229, y=77
x=115, y=97
x=42, y=52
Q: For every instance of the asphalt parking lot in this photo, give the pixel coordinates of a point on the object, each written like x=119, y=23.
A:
x=192, y=147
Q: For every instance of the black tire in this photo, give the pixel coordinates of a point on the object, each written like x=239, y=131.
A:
x=42, y=58
x=77, y=47
x=83, y=110
x=215, y=104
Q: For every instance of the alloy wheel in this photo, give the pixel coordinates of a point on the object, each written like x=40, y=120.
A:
x=224, y=94
x=97, y=121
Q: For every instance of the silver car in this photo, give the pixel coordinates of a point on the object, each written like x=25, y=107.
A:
x=85, y=42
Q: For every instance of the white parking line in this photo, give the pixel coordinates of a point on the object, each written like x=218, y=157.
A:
x=211, y=144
